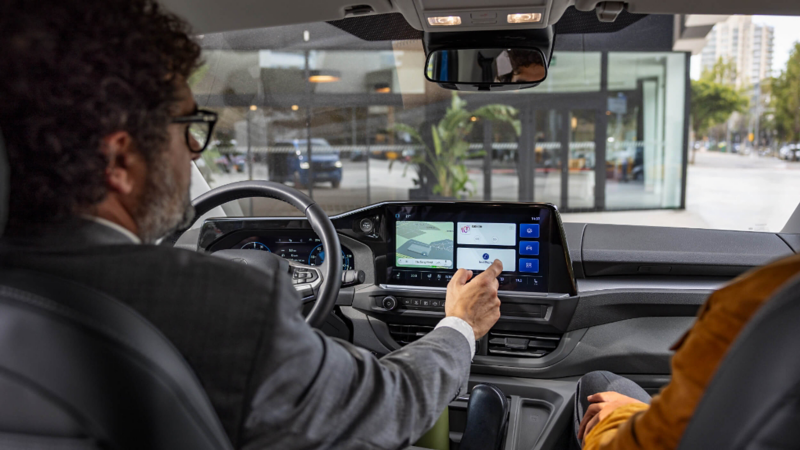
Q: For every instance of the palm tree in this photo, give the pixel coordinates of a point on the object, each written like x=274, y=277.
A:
x=450, y=146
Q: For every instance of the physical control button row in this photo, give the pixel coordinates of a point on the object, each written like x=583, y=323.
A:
x=422, y=303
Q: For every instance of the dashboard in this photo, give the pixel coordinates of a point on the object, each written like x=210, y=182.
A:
x=409, y=251
x=640, y=287
x=422, y=244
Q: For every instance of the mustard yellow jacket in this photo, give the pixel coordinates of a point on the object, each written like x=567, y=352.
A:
x=699, y=352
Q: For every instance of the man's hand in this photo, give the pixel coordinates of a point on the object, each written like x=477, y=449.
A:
x=475, y=302
x=602, y=405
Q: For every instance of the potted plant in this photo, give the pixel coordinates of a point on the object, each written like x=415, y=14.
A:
x=445, y=162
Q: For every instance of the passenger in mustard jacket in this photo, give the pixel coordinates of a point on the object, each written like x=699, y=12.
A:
x=613, y=413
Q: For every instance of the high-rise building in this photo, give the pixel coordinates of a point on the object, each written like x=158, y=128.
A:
x=746, y=44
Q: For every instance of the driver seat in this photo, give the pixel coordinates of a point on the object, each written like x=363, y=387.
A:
x=80, y=370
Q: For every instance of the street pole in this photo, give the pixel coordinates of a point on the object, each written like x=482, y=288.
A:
x=487, y=160
x=758, y=117
x=307, y=74
x=249, y=155
x=366, y=132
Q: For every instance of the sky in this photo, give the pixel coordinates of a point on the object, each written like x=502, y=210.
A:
x=787, y=32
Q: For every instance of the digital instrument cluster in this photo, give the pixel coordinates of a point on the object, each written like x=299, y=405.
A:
x=302, y=247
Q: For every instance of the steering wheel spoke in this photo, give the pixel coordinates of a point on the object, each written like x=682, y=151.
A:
x=306, y=279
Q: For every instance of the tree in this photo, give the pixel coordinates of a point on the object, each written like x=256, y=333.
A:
x=714, y=97
x=785, y=99
x=713, y=103
x=450, y=146
x=723, y=72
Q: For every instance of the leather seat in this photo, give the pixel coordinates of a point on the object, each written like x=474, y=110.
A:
x=80, y=370
x=753, y=401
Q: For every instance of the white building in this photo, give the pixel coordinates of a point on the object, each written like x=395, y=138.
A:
x=748, y=45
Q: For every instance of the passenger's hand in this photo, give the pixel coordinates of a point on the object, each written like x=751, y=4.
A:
x=602, y=405
x=475, y=302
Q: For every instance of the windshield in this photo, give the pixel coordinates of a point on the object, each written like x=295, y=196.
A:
x=619, y=131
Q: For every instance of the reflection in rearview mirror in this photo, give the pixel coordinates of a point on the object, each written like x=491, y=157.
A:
x=486, y=65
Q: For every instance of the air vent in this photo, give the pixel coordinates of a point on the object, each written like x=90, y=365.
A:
x=406, y=334
x=521, y=344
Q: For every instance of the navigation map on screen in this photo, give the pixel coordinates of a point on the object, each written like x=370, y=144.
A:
x=425, y=244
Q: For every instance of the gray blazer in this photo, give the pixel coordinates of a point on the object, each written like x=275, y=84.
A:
x=274, y=381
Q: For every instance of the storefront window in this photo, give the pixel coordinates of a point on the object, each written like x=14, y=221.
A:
x=371, y=116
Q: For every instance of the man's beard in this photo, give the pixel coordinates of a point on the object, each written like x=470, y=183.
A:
x=165, y=206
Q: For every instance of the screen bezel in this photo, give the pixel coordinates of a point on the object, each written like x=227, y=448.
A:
x=558, y=274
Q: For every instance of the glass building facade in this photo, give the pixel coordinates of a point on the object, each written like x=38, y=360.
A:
x=607, y=130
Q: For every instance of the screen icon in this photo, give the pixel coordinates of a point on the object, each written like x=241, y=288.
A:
x=529, y=248
x=529, y=265
x=487, y=233
x=481, y=258
x=529, y=230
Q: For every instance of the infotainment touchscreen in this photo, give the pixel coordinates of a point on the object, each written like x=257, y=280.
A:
x=433, y=240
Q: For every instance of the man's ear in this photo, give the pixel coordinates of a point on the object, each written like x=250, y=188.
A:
x=122, y=160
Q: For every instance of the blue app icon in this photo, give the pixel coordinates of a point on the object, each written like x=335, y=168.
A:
x=529, y=248
x=485, y=256
x=529, y=265
x=529, y=230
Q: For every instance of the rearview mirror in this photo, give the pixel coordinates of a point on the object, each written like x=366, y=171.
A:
x=487, y=65
x=498, y=60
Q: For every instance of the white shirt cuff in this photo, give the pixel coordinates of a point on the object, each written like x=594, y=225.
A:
x=462, y=327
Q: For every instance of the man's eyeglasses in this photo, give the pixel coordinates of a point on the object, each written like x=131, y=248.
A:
x=201, y=125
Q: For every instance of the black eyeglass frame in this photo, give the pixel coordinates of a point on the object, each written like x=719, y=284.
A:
x=198, y=116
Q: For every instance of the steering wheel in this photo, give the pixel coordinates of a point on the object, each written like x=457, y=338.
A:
x=325, y=279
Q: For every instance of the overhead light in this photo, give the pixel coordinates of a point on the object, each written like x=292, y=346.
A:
x=295, y=107
x=253, y=107
x=444, y=21
x=525, y=18
x=324, y=76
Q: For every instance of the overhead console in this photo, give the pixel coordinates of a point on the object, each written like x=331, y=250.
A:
x=428, y=242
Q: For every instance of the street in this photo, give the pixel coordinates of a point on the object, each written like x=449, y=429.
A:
x=724, y=191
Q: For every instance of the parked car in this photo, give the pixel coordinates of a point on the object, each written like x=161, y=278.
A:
x=358, y=155
x=229, y=162
x=790, y=152
x=288, y=161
